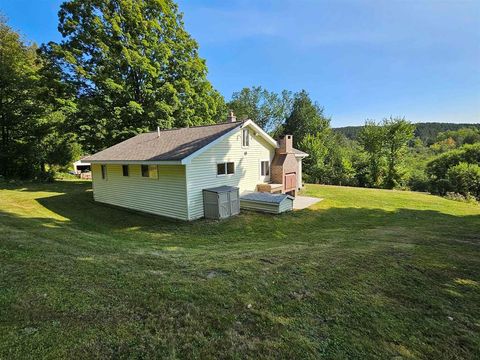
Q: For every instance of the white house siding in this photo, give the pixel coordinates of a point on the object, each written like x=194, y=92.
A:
x=166, y=195
x=299, y=174
x=202, y=171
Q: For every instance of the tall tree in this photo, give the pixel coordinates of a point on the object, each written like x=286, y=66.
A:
x=372, y=138
x=135, y=68
x=397, y=133
x=327, y=161
x=305, y=118
x=267, y=109
x=18, y=113
x=31, y=110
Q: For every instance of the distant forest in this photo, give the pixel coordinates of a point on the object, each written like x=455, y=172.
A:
x=427, y=132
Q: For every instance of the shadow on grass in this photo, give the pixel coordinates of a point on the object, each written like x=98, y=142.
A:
x=76, y=204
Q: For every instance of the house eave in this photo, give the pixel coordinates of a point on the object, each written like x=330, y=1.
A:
x=259, y=130
x=135, y=162
x=189, y=158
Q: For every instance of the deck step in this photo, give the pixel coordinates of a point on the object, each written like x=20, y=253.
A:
x=270, y=188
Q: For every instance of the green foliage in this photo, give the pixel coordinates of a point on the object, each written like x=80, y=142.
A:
x=418, y=180
x=438, y=167
x=452, y=139
x=427, y=132
x=444, y=145
x=372, y=138
x=385, y=144
x=268, y=109
x=328, y=161
x=18, y=114
x=315, y=146
x=32, y=111
x=398, y=132
x=306, y=118
x=464, y=179
x=135, y=68
x=450, y=171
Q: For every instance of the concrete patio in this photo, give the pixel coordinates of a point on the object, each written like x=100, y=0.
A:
x=303, y=202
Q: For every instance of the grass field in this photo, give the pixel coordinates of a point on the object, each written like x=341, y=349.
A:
x=363, y=274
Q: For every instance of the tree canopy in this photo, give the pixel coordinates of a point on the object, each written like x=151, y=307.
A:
x=134, y=67
x=31, y=115
x=306, y=117
x=267, y=109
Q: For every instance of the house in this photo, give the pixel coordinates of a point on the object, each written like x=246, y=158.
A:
x=81, y=169
x=80, y=166
x=164, y=172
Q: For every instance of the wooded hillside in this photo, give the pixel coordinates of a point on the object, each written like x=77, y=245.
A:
x=426, y=131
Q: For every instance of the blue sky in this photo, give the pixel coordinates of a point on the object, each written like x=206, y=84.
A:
x=359, y=59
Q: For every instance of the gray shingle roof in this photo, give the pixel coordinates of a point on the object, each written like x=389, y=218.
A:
x=171, y=145
x=299, y=152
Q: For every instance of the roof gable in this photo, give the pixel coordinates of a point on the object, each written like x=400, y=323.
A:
x=245, y=123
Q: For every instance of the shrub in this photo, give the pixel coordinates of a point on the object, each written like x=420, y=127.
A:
x=464, y=178
x=438, y=167
x=459, y=197
x=455, y=171
x=418, y=181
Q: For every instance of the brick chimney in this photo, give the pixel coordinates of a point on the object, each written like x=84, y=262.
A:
x=231, y=118
x=286, y=145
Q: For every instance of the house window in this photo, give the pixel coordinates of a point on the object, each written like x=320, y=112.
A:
x=230, y=168
x=145, y=171
x=226, y=168
x=265, y=168
x=245, y=138
x=149, y=171
x=125, y=170
x=104, y=171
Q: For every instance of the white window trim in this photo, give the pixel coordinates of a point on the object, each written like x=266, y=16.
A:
x=248, y=136
x=149, y=177
x=226, y=174
x=260, y=168
x=106, y=172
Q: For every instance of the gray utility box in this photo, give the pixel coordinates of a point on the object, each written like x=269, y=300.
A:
x=221, y=202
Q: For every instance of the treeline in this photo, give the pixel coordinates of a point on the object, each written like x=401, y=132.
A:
x=427, y=132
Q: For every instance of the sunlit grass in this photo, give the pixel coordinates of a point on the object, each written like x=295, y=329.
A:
x=362, y=274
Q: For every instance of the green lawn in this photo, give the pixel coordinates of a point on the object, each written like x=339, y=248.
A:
x=363, y=274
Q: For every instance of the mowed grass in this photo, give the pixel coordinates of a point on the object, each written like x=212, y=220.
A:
x=362, y=274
